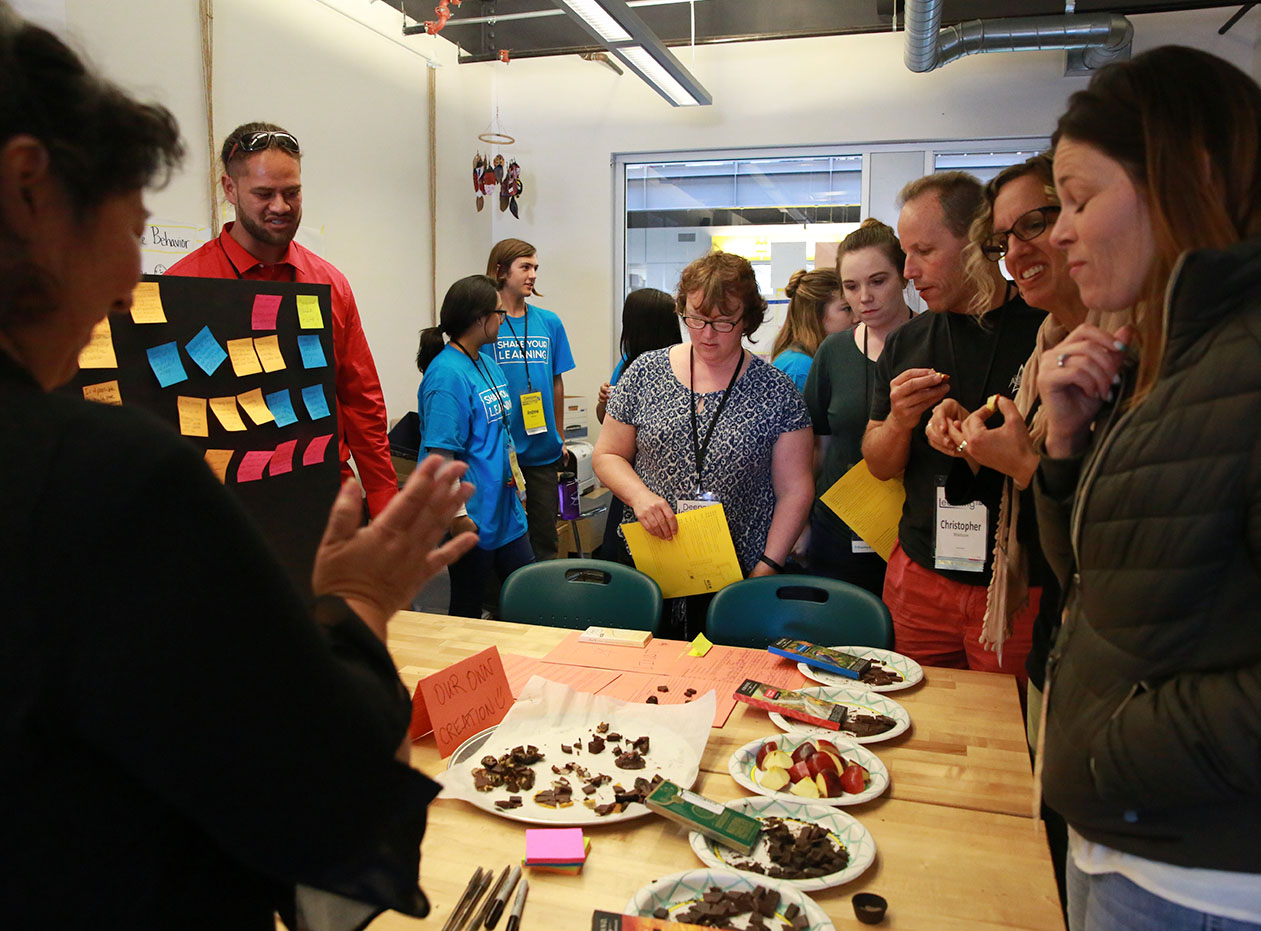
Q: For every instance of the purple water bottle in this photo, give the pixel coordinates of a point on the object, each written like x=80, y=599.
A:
x=567, y=491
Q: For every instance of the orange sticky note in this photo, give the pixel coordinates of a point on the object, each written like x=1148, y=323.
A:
x=193, y=416
x=456, y=703
x=99, y=352
x=225, y=410
x=244, y=361
x=105, y=393
x=146, y=303
x=218, y=460
x=268, y=349
x=255, y=406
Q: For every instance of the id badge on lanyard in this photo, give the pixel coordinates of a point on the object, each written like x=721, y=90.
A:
x=699, y=499
x=961, y=534
x=532, y=414
x=858, y=545
x=518, y=477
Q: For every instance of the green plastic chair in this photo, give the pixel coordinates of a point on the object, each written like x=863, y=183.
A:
x=579, y=593
x=757, y=612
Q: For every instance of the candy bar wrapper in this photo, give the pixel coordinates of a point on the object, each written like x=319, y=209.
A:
x=845, y=664
x=609, y=921
x=792, y=704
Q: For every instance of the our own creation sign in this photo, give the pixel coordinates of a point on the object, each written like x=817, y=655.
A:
x=461, y=700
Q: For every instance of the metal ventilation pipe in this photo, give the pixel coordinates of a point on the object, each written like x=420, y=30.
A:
x=1100, y=38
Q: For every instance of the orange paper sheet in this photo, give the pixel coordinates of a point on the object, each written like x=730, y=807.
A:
x=732, y=665
x=656, y=657
x=636, y=687
x=580, y=678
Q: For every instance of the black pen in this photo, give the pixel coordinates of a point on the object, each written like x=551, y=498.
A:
x=514, y=920
x=501, y=897
x=490, y=899
x=467, y=918
x=459, y=906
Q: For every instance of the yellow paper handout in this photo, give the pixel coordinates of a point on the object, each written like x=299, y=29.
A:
x=870, y=507
x=701, y=558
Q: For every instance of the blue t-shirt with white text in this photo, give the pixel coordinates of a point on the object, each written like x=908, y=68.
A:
x=795, y=364
x=547, y=355
x=460, y=410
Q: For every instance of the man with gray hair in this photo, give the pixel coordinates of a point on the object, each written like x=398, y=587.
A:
x=952, y=358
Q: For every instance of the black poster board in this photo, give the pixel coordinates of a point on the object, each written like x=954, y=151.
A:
x=290, y=506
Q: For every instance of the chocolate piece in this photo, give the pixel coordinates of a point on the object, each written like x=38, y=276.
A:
x=610, y=809
x=663, y=688
x=651, y=700
x=877, y=674
x=595, y=745
x=690, y=692
x=797, y=850
x=630, y=760
x=602, y=727
x=861, y=724
x=507, y=804
x=613, y=737
x=661, y=913
x=641, y=744
x=566, y=748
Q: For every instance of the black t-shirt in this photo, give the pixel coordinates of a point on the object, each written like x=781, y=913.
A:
x=982, y=358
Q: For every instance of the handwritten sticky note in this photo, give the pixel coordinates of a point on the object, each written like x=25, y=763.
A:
x=255, y=406
x=871, y=507
x=166, y=364
x=99, y=352
x=244, y=360
x=282, y=458
x=193, y=416
x=309, y=316
x=225, y=410
x=316, y=403
x=314, y=452
x=146, y=303
x=205, y=350
x=105, y=393
x=281, y=407
x=264, y=315
x=252, y=465
x=312, y=352
x=457, y=702
x=701, y=558
x=218, y=460
x=268, y=348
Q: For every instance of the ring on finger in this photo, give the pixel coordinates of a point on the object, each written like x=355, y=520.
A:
x=961, y=447
x=1061, y=359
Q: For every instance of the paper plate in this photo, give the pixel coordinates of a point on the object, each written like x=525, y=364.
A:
x=669, y=755
x=857, y=698
x=912, y=673
x=743, y=769
x=679, y=891
x=844, y=828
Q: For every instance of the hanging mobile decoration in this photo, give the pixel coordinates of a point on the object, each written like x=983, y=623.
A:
x=511, y=189
x=491, y=172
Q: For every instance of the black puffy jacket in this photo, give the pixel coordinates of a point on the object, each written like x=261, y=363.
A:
x=1153, y=733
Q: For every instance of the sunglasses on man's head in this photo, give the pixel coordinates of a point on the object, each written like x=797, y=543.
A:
x=265, y=139
x=1028, y=227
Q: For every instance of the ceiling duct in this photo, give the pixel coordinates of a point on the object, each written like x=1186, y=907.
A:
x=1098, y=38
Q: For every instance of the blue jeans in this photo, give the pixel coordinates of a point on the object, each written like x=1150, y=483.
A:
x=471, y=572
x=1110, y=902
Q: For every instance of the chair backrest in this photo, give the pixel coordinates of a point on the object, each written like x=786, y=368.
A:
x=579, y=593
x=757, y=612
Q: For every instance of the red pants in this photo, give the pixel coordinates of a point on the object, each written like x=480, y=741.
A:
x=937, y=622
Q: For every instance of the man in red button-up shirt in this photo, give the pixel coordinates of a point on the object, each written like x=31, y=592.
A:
x=262, y=180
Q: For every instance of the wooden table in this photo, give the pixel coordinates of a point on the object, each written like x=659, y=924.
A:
x=956, y=845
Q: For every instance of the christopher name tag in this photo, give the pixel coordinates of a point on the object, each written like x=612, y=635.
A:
x=961, y=534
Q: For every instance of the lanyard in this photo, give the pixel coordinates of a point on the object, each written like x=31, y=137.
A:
x=699, y=449
x=503, y=415
x=522, y=341
x=293, y=272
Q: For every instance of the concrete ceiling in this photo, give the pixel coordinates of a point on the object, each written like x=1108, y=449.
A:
x=731, y=20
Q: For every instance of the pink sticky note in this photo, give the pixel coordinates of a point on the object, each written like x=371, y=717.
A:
x=282, y=458
x=252, y=465
x=265, y=308
x=554, y=845
x=314, y=453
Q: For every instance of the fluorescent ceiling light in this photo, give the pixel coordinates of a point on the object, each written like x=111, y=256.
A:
x=652, y=71
x=595, y=16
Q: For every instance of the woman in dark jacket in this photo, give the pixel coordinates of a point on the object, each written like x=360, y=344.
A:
x=1150, y=498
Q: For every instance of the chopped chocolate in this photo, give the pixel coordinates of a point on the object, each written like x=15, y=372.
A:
x=588, y=789
x=602, y=727
x=651, y=699
x=596, y=745
x=566, y=748
x=877, y=674
x=610, y=809
x=663, y=688
x=613, y=737
x=509, y=803
x=716, y=908
x=561, y=797
x=661, y=913
x=797, y=850
x=689, y=693
x=641, y=743
x=867, y=725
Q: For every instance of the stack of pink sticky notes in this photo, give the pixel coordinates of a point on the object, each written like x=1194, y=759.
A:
x=558, y=850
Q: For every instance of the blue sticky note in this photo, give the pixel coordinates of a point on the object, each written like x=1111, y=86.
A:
x=166, y=364
x=205, y=350
x=281, y=407
x=312, y=352
x=316, y=404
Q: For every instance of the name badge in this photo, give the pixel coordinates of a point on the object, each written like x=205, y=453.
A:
x=532, y=413
x=961, y=534
x=701, y=499
x=518, y=477
x=858, y=545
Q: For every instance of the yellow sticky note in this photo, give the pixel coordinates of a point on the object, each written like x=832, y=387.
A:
x=700, y=646
x=105, y=393
x=255, y=406
x=268, y=348
x=225, y=410
x=218, y=460
x=309, y=316
x=193, y=416
x=701, y=558
x=146, y=303
x=99, y=352
x=244, y=361
x=870, y=507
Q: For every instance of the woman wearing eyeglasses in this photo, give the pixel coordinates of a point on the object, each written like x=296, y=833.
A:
x=707, y=422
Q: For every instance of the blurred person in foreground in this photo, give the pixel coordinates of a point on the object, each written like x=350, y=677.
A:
x=186, y=744
x=1149, y=498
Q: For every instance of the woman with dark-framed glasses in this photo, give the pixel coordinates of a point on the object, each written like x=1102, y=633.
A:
x=706, y=422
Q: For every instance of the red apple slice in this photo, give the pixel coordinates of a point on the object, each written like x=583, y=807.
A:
x=829, y=782
x=804, y=752
x=774, y=779
x=821, y=761
x=800, y=771
x=769, y=747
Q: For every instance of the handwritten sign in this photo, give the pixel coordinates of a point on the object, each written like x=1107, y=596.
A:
x=461, y=700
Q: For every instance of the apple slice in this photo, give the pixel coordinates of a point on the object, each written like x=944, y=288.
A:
x=829, y=783
x=828, y=747
x=774, y=779
x=821, y=761
x=806, y=788
x=769, y=747
x=776, y=758
x=804, y=752
x=799, y=771
x=854, y=778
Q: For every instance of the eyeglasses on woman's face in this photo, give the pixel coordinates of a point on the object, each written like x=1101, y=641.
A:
x=1028, y=227
x=699, y=323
